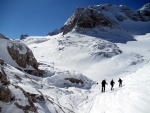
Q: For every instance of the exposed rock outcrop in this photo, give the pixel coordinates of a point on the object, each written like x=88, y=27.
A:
x=26, y=108
x=142, y=14
x=35, y=72
x=36, y=97
x=3, y=77
x=87, y=18
x=5, y=94
x=74, y=80
x=145, y=12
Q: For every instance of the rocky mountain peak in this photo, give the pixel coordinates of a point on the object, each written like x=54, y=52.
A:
x=104, y=16
x=87, y=18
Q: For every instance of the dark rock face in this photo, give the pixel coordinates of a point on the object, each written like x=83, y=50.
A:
x=5, y=94
x=35, y=72
x=130, y=13
x=3, y=77
x=36, y=97
x=23, y=36
x=142, y=14
x=91, y=18
x=73, y=80
x=22, y=55
x=87, y=18
x=145, y=12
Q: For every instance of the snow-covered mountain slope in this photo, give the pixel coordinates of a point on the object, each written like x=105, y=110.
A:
x=94, y=57
x=74, y=52
x=56, y=92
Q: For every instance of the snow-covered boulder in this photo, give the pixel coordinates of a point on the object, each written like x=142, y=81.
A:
x=19, y=55
x=22, y=55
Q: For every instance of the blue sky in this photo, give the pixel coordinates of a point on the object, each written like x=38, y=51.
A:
x=38, y=17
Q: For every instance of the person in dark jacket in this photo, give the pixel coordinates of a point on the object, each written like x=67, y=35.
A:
x=120, y=82
x=103, y=85
x=112, y=84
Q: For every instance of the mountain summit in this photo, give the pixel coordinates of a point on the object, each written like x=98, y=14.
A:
x=97, y=19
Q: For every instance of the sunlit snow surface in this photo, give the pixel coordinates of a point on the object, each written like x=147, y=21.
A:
x=132, y=66
x=71, y=56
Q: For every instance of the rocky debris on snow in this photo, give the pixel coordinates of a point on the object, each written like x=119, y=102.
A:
x=23, y=36
x=3, y=37
x=105, y=49
x=26, y=108
x=22, y=55
x=36, y=97
x=36, y=72
x=98, y=48
x=74, y=80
